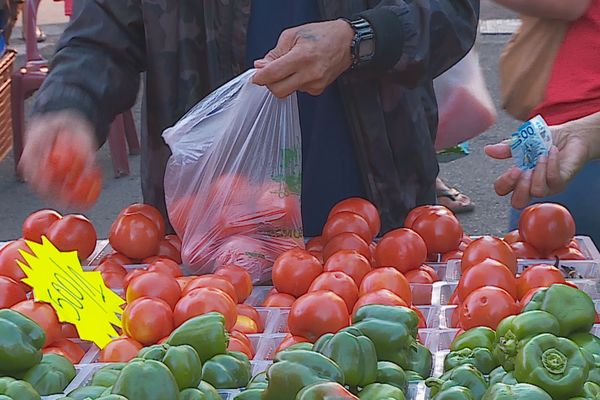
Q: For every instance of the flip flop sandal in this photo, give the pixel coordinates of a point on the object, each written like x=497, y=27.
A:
x=455, y=204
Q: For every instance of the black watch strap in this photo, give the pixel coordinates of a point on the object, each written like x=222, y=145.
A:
x=363, y=43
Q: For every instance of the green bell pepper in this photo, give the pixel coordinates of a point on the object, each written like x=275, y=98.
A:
x=21, y=342
x=590, y=346
x=209, y=392
x=52, y=375
x=205, y=333
x=299, y=346
x=590, y=391
x=499, y=375
x=391, y=329
x=107, y=375
x=381, y=391
x=514, y=331
x=12, y=389
x=355, y=355
x=573, y=308
x=412, y=376
x=192, y=394
x=293, y=370
x=228, y=371
x=183, y=362
x=481, y=358
x=146, y=379
x=250, y=394
x=464, y=375
x=259, y=381
x=85, y=392
x=455, y=393
x=392, y=374
x=325, y=391
x=521, y=391
x=112, y=397
x=416, y=358
x=480, y=337
x=554, y=364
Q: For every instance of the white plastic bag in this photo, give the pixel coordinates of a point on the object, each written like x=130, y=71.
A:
x=465, y=106
x=232, y=183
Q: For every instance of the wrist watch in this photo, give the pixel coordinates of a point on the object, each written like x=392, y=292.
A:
x=363, y=43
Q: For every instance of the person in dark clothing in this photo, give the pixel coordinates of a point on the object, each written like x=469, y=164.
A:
x=364, y=70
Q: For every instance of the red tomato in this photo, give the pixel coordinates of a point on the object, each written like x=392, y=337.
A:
x=84, y=191
x=318, y=313
x=382, y=296
x=338, y=283
x=239, y=278
x=44, y=315
x=73, y=233
x=180, y=212
x=236, y=344
x=294, y=271
x=109, y=265
x=454, y=300
x=290, y=340
x=67, y=348
x=156, y=285
x=278, y=206
x=69, y=331
x=424, y=210
x=149, y=212
x=487, y=273
x=575, y=244
x=489, y=247
x=175, y=241
x=167, y=250
x=184, y=280
x=452, y=255
x=281, y=300
x=441, y=231
x=204, y=300
x=245, y=325
x=512, y=237
x=114, y=280
x=150, y=260
x=432, y=272
x=135, y=236
x=567, y=253
x=547, y=226
x=120, y=350
x=38, y=223
x=362, y=207
x=214, y=281
x=455, y=318
x=133, y=274
x=525, y=251
x=315, y=244
x=346, y=221
x=422, y=320
x=349, y=262
x=11, y=292
x=486, y=306
x=387, y=278
x=528, y=296
x=402, y=249
x=346, y=241
x=251, y=312
x=166, y=266
x=242, y=338
x=247, y=252
x=540, y=275
x=118, y=258
x=420, y=284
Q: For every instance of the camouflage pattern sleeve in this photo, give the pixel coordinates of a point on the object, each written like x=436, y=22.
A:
x=97, y=65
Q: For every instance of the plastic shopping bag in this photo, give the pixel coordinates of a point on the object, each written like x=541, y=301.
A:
x=465, y=106
x=233, y=181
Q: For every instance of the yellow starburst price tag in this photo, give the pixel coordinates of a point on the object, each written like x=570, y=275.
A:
x=78, y=296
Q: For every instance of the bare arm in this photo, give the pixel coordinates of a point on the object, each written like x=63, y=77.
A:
x=554, y=9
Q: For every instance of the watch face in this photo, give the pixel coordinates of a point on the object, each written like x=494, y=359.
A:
x=366, y=48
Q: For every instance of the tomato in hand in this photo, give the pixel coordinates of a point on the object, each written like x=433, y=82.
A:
x=156, y=285
x=487, y=273
x=204, y=300
x=489, y=247
x=251, y=312
x=362, y=207
x=567, y=253
x=382, y=297
x=167, y=250
x=349, y=262
x=73, y=232
x=346, y=221
x=512, y=237
x=149, y=212
x=83, y=190
x=441, y=231
x=290, y=340
x=318, y=313
x=38, y=223
x=525, y=251
x=346, y=241
x=120, y=350
x=214, y=281
x=135, y=236
x=294, y=271
x=387, y=278
x=540, y=275
x=239, y=278
x=166, y=266
x=338, y=283
x=67, y=348
x=44, y=315
x=486, y=306
x=280, y=300
x=547, y=226
x=11, y=292
x=402, y=249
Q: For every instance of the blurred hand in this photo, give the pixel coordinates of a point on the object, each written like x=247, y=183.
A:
x=59, y=157
x=307, y=58
x=575, y=144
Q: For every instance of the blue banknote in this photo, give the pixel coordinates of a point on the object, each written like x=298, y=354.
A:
x=531, y=141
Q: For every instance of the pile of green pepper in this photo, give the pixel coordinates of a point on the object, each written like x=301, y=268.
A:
x=374, y=358
x=544, y=353
x=26, y=373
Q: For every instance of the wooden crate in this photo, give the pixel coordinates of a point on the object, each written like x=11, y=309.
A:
x=6, y=64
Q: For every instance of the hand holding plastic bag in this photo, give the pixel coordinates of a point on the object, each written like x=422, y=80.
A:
x=233, y=181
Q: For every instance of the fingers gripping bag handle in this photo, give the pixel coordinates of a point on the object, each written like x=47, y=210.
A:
x=233, y=181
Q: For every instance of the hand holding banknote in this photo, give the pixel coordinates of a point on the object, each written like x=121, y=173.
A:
x=573, y=145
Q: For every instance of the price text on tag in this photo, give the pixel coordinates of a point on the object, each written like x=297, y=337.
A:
x=79, y=297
